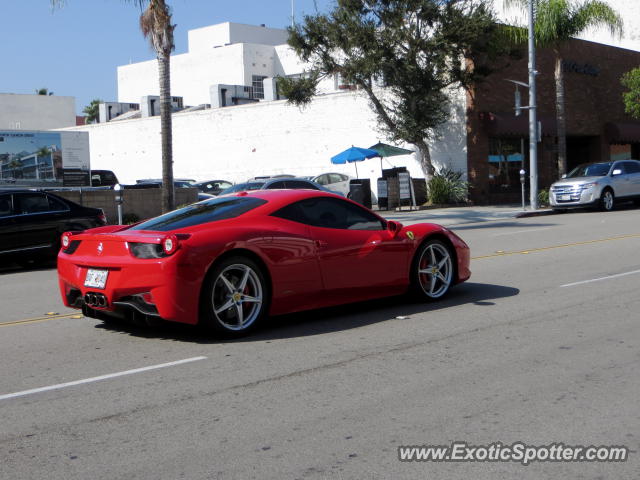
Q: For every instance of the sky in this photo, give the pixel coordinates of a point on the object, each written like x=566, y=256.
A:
x=74, y=50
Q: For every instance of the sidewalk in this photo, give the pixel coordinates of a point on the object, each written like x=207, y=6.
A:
x=462, y=215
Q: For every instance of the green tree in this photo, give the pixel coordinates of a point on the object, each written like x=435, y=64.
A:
x=92, y=110
x=556, y=21
x=43, y=91
x=631, y=98
x=156, y=26
x=416, y=49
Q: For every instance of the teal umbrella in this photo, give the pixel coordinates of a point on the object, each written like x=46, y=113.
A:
x=385, y=150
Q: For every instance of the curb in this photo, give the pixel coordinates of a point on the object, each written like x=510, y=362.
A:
x=537, y=213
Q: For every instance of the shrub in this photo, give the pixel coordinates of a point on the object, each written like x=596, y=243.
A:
x=129, y=218
x=543, y=197
x=447, y=186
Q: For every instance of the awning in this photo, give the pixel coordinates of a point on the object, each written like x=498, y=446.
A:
x=622, y=133
x=508, y=125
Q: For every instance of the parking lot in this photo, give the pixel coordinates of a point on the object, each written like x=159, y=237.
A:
x=540, y=346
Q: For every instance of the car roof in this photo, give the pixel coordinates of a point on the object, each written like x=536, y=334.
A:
x=281, y=197
x=287, y=179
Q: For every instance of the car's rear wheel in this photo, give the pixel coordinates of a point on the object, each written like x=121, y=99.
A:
x=607, y=200
x=433, y=269
x=235, y=297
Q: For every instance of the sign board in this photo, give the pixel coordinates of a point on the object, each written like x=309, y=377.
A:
x=383, y=190
x=43, y=157
x=405, y=185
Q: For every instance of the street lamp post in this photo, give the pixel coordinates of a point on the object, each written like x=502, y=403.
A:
x=533, y=121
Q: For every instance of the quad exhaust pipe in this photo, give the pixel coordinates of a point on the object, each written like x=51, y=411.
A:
x=95, y=299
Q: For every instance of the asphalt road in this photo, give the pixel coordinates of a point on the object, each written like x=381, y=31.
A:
x=541, y=346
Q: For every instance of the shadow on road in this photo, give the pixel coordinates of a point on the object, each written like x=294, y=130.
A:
x=477, y=226
x=327, y=320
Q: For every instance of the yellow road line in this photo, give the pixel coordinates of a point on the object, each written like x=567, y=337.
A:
x=564, y=245
x=40, y=319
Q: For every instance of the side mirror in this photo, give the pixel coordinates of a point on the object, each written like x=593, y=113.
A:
x=617, y=171
x=394, y=227
x=564, y=175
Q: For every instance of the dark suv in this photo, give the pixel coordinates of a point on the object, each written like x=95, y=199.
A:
x=31, y=223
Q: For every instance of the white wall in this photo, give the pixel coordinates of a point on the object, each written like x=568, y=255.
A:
x=191, y=75
x=226, y=33
x=240, y=142
x=36, y=112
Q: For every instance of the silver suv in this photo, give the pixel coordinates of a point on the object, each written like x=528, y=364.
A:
x=599, y=184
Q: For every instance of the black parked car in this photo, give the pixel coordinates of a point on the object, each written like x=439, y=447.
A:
x=31, y=223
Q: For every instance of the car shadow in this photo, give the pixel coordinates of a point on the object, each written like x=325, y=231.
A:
x=326, y=320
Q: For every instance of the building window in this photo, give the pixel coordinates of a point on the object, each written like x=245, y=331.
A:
x=505, y=161
x=257, y=83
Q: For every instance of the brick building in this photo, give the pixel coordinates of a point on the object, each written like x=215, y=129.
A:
x=597, y=126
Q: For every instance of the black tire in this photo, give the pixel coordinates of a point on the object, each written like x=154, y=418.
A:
x=607, y=200
x=224, y=306
x=432, y=280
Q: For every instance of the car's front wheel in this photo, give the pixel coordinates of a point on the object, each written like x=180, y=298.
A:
x=235, y=297
x=433, y=269
x=607, y=200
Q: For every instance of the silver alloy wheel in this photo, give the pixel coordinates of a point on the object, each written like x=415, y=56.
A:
x=435, y=270
x=607, y=200
x=237, y=297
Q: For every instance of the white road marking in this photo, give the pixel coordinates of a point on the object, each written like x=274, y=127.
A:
x=97, y=379
x=601, y=278
x=520, y=231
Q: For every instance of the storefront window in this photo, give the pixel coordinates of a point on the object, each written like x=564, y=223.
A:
x=620, y=152
x=505, y=161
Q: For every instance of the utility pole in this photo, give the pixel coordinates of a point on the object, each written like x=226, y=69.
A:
x=293, y=14
x=533, y=121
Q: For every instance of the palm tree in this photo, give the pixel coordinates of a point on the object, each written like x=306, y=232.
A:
x=92, y=111
x=556, y=21
x=155, y=23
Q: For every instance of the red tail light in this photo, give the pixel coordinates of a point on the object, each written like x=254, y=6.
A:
x=170, y=244
x=66, y=239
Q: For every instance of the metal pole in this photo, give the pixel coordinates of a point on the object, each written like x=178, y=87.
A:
x=533, y=121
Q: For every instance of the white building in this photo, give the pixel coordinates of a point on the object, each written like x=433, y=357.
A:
x=233, y=64
x=629, y=10
x=36, y=112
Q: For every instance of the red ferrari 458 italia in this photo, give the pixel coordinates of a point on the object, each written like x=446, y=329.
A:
x=231, y=261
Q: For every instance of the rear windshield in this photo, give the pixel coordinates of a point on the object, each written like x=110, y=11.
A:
x=203, y=212
x=241, y=187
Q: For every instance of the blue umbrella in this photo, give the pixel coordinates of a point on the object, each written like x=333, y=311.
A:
x=353, y=154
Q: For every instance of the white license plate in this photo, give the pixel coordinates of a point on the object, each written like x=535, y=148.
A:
x=564, y=197
x=96, y=278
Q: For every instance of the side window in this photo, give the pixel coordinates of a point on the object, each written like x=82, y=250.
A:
x=5, y=206
x=620, y=166
x=56, y=205
x=32, y=203
x=300, y=184
x=632, y=167
x=276, y=185
x=330, y=213
x=323, y=179
x=335, y=178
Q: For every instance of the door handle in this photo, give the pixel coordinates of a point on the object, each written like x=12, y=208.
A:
x=320, y=243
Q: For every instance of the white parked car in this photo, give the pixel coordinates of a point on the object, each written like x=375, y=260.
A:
x=338, y=182
x=599, y=184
